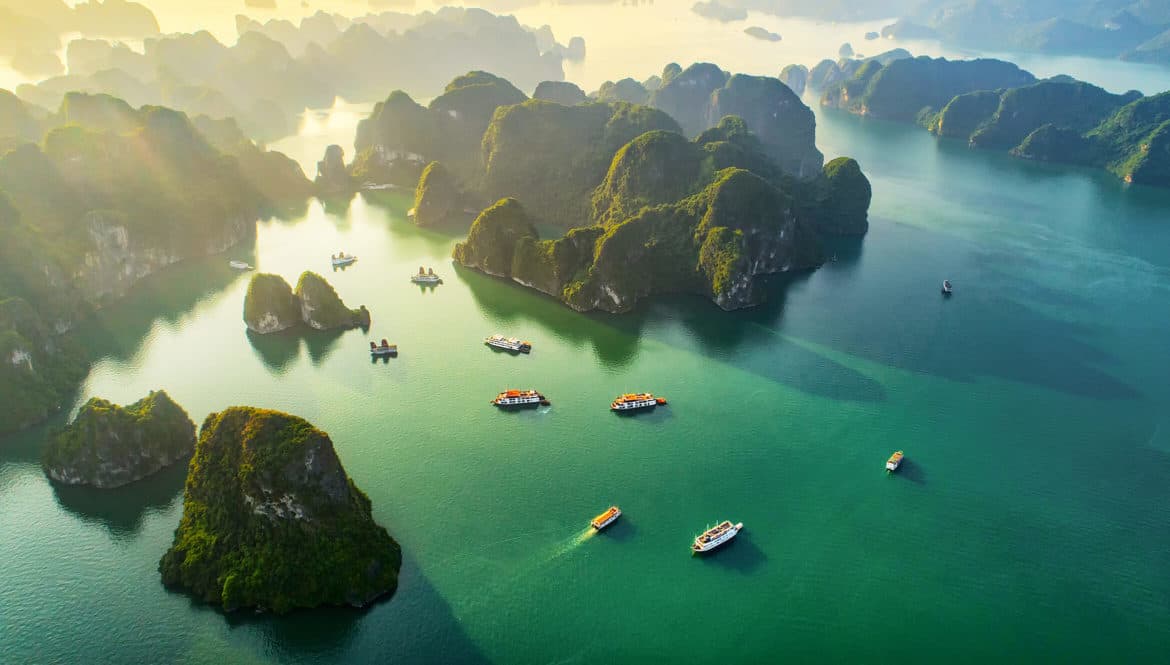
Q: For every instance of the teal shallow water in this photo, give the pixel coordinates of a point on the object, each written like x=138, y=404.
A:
x=1028, y=522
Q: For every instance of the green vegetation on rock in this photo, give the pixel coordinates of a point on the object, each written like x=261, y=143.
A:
x=108, y=445
x=322, y=308
x=437, y=197
x=39, y=370
x=270, y=305
x=561, y=92
x=844, y=198
x=272, y=521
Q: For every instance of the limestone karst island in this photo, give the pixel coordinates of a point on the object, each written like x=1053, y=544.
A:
x=477, y=332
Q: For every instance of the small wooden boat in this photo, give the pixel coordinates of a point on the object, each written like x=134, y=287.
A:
x=605, y=519
x=895, y=461
x=240, y=265
x=383, y=349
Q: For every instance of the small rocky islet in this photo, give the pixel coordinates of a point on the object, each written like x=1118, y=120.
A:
x=272, y=521
x=108, y=445
x=271, y=305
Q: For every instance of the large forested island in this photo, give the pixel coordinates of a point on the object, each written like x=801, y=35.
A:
x=996, y=105
x=109, y=445
x=97, y=196
x=710, y=182
x=272, y=521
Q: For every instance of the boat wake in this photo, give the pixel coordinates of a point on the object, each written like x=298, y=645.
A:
x=572, y=543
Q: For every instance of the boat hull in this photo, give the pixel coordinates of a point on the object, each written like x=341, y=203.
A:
x=598, y=523
x=710, y=546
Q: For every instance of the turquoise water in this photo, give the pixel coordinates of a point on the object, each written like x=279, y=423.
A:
x=1028, y=521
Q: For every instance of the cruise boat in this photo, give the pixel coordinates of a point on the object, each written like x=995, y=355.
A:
x=383, y=349
x=636, y=402
x=519, y=398
x=240, y=265
x=605, y=519
x=508, y=344
x=895, y=461
x=342, y=259
x=427, y=276
x=947, y=289
x=716, y=536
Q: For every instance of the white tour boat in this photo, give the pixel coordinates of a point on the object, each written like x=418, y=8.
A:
x=240, y=265
x=508, y=344
x=383, y=349
x=342, y=259
x=947, y=289
x=895, y=461
x=636, y=402
x=716, y=536
x=427, y=276
x=519, y=398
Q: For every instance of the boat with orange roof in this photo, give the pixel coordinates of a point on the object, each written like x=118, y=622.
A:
x=605, y=519
x=510, y=399
x=636, y=402
x=895, y=461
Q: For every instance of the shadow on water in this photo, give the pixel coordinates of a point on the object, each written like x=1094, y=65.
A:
x=741, y=555
x=415, y=625
x=121, y=510
x=623, y=531
x=279, y=350
x=910, y=470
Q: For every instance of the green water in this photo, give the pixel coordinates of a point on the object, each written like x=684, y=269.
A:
x=1028, y=523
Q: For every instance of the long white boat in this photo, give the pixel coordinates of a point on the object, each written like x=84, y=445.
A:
x=636, y=402
x=427, y=276
x=519, y=398
x=343, y=259
x=508, y=344
x=716, y=536
x=240, y=265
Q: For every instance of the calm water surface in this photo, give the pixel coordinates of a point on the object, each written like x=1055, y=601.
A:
x=1029, y=521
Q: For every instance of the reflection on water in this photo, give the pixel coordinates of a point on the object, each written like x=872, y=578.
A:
x=121, y=510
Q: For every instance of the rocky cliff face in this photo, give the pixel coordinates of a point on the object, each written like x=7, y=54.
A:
x=271, y=305
x=437, y=197
x=272, y=521
x=108, y=445
x=322, y=308
x=332, y=175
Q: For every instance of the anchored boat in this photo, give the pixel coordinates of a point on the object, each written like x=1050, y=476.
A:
x=240, y=265
x=342, y=259
x=947, y=289
x=510, y=399
x=895, y=461
x=383, y=349
x=716, y=536
x=605, y=519
x=636, y=402
x=508, y=344
x=425, y=277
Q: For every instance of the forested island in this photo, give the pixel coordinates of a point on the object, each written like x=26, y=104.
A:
x=95, y=197
x=108, y=445
x=996, y=105
x=710, y=181
x=271, y=305
x=272, y=521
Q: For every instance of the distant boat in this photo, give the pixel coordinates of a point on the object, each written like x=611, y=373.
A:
x=426, y=277
x=947, y=289
x=716, y=536
x=240, y=265
x=605, y=519
x=343, y=259
x=383, y=349
x=636, y=402
x=410, y=213
x=519, y=398
x=895, y=461
x=508, y=344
